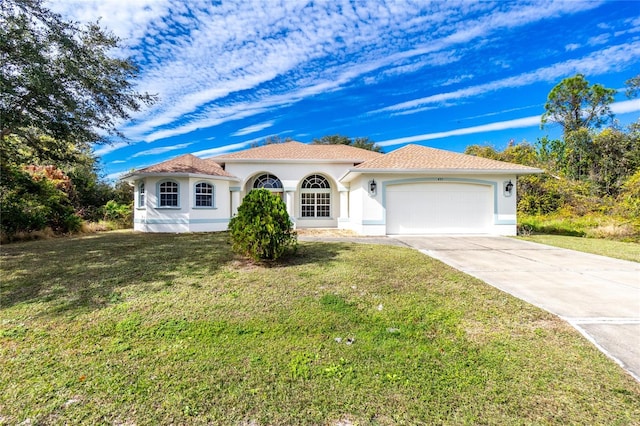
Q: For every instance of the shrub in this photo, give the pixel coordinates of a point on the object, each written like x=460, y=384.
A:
x=120, y=214
x=262, y=229
x=629, y=198
x=33, y=199
x=539, y=194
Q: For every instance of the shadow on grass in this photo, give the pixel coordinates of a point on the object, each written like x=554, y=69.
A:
x=89, y=272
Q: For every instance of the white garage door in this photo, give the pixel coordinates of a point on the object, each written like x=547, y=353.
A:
x=439, y=207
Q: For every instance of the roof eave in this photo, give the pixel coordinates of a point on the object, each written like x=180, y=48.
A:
x=287, y=160
x=131, y=177
x=355, y=172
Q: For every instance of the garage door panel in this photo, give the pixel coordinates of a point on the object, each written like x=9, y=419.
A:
x=439, y=208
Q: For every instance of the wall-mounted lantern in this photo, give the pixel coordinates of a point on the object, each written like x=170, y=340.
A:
x=373, y=187
x=508, y=188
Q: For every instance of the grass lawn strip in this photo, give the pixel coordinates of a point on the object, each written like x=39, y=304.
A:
x=127, y=328
x=610, y=248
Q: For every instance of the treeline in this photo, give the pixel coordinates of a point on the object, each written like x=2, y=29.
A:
x=592, y=173
x=61, y=91
x=56, y=193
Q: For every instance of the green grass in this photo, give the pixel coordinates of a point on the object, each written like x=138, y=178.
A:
x=123, y=328
x=592, y=225
x=611, y=248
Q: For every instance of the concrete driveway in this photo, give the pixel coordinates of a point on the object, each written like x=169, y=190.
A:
x=597, y=295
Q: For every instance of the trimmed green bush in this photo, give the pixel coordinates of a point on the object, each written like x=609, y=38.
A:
x=262, y=229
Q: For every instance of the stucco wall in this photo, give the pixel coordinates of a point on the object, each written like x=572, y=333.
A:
x=356, y=209
x=186, y=217
x=291, y=175
x=368, y=211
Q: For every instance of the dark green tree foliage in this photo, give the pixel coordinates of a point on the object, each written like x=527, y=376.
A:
x=364, y=143
x=575, y=105
x=59, y=77
x=61, y=90
x=33, y=201
x=616, y=156
x=262, y=229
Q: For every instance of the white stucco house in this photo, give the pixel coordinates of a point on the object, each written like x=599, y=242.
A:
x=412, y=190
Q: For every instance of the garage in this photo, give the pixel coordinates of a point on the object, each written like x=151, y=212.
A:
x=439, y=207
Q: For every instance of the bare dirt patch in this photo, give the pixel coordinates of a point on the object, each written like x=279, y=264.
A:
x=326, y=232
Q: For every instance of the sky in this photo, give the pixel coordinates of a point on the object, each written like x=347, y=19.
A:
x=444, y=74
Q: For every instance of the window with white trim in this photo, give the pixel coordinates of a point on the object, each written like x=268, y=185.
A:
x=204, y=194
x=168, y=194
x=315, y=197
x=141, y=195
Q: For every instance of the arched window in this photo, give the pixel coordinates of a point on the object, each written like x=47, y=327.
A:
x=168, y=192
x=204, y=194
x=315, y=197
x=141, y=195
x=267, y=181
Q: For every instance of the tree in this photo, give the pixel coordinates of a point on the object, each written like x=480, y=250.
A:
x=271, y=140
x=61, y=90
x=574, y=104
x=35, y=198
x=633, y=86
x=364, y=143
x=58, y=77
x=616, y=157
x=262, y=229
x=519, y=153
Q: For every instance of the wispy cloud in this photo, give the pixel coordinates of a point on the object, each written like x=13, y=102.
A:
x=100, y=150
x=625, y=107
x=253, y=129
x=225, y=149
x=491, y=127
x=622, y=107
x=161, y=150
x=114, y=176
x=212, y=63
x=596, y=63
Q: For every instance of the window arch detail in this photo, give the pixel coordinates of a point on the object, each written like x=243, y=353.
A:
x=204, y=195
x=168, y=194
x=315, y=197
x=267, y=181
x=315, y=182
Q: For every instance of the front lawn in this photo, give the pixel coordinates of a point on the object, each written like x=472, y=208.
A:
x=123, y=328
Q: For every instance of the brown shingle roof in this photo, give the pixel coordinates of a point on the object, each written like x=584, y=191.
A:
x=417, y=157
x=187, y=163
x=301, y=151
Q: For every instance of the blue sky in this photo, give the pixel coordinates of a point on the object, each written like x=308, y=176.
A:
x=444, y=74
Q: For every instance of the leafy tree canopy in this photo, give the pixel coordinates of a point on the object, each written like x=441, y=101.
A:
x=59, y=77
x=364, y=143
x=61, y=90
x=574, y=104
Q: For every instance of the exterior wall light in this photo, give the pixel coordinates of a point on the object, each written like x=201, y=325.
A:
x=508, y=188
x=373, y=187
